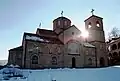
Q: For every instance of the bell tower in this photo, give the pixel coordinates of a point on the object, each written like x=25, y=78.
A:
x=94, y=26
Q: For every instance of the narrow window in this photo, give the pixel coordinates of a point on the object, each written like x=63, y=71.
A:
x=102, y=62
x=89, y=25
x=35, y=59
x=59, y=23
x=65, y=23
x=72, y=33
x=115, y=54
x=50, y=51
x=119, y=45
x=114, y=47
x=97, y=24
x=86, y=52
x=119, y=53
x=89, y=61
x=54, y=61
x=110, y=55
x=109, y=49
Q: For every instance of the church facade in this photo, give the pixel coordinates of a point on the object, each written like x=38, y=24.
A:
x=63, y=46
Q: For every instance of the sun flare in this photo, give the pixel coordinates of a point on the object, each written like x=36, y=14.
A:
x=85, y=33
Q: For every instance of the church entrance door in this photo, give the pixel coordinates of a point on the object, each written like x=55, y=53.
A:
x=73, y=62
x=102, y=62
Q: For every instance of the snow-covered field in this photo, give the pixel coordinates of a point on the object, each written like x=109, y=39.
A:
x=86, y=74
x=3, y=62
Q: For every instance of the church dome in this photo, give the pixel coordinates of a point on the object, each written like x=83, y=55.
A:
x=61, y=18
x=61, y=23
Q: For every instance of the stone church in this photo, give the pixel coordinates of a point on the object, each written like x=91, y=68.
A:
x=63, y=46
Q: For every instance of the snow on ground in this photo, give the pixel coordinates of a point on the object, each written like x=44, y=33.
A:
x=3, y=62
x=117, y=66
x=86, y=74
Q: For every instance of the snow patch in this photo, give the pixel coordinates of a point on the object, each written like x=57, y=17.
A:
x=117, y=66
x=35, y=38
x=88, y=45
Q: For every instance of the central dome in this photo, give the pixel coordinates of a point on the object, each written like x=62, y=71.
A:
x=61, y=18
x=61, y=23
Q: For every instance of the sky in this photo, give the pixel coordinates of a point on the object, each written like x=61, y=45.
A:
x=19, y=16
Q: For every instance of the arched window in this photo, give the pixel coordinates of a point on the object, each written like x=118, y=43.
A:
x=87, y=52
x=65, y=23
x=89, y=61
x=102, y=62
x=58, y=23
x=115, y=54
x=89, y=25
x=97, y=24
x=58, y=50
x=39, y=50
x=119, y=53
x=72, y=33
x=114, y=47
x=110, y=55
x=109, y=48
x=119, y=45
x=50, y=51
x=54, y=61
x=34, y=59
x=73, y=48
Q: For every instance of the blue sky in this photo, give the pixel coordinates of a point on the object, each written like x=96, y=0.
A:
x=19, y=16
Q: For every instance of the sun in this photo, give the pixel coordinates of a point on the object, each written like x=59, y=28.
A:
x=84, y=33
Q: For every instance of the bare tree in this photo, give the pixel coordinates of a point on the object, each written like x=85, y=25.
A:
x=114, y=33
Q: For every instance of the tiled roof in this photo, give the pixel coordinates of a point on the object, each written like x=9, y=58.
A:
x=46, y=32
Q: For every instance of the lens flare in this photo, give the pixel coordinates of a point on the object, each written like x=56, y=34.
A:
x=85, y=33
